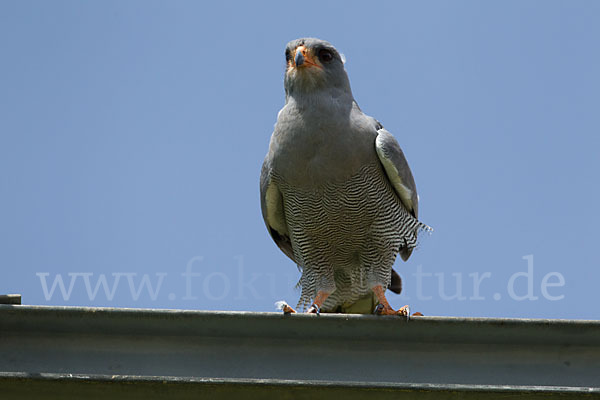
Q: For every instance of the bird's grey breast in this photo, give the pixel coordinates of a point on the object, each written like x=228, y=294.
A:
x=317, y=146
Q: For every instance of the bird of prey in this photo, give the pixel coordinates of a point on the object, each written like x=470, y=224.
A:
x=337, y=195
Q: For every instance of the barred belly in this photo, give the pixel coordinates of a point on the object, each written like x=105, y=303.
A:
x=345, y=235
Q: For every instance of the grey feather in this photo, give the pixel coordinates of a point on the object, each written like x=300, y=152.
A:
x=276, y=225
x=397, y=169
x=400, y=176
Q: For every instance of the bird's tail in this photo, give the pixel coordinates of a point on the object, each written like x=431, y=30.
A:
x=396, y=283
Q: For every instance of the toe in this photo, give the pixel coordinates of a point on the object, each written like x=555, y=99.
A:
x=283, y=306
x=404, y=311
x=386, y=310
x=288, y=310
x=314, y=309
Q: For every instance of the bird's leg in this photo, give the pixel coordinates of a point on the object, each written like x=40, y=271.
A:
x=315, y=307
x=384, y=307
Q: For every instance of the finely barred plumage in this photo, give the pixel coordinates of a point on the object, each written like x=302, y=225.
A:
x=346, y=235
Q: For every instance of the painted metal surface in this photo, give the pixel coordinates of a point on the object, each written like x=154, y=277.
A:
x=121, y=352
x=10, y=299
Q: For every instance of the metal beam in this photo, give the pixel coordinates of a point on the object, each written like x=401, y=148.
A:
x=130, y=353
x=10, y=299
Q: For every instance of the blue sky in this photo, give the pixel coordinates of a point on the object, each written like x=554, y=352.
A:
x=132, y=135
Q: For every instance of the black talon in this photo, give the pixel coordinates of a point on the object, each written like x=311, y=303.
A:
x=378, y=309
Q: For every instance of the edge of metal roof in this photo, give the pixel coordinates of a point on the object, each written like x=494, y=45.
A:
x=129, y=351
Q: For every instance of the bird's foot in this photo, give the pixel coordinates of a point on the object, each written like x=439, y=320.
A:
x=283, y=306
x=385, y=309
x=314, y=309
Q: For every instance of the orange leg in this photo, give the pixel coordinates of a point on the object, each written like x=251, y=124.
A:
x=315, y=308
x=384, y=307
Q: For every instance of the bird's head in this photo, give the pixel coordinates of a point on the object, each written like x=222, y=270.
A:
x=313, y=65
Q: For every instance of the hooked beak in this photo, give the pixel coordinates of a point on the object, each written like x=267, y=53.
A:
x=303, y=58
x=299, y=59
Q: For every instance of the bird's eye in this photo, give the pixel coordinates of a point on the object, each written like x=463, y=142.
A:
x=325, y=55
x=288, y=55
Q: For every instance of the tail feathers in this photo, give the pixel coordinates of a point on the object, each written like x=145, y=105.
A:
x=412, y=242
x=405, y=253
x=396, y=283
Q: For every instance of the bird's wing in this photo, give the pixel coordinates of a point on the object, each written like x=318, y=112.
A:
x=271, y=203
x=398, y=172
